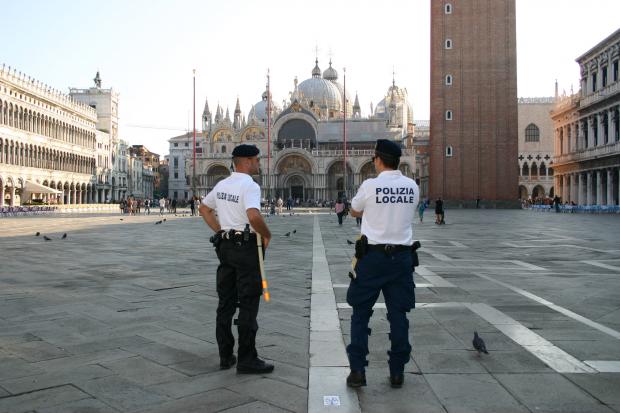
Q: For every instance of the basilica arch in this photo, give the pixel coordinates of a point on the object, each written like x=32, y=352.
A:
x=294, y=176
x=367, y=171
x=215, y=174
x=335, y=179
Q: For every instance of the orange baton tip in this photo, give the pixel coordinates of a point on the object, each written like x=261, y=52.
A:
x=264, y=284
x=266, y=294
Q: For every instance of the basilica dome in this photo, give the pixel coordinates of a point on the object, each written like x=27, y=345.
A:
x=259, y=110
x=317, y=91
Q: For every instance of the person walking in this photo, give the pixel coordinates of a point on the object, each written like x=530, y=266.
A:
x=147, y=207
x=162, y=206
x=339, y=208
x=439, y=212
x=237, y=202
x=384, y=262
x=421, y=208
x=192, y=205
x=280, y=205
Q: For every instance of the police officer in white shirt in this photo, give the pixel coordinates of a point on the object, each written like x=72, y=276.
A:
x=237, y=202
x=388, y=204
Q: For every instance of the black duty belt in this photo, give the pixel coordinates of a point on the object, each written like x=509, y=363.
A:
x=389, y=248
x=237, y=236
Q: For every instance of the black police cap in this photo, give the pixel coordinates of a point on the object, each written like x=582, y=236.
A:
x=245, y=151
x=389, y=148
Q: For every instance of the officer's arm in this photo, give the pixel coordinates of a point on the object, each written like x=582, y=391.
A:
x=208, y=215
x=356, y=214
x=258, y=223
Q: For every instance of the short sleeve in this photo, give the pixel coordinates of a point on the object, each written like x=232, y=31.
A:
x=209, y=200
x=358, y=203
x=251, y=198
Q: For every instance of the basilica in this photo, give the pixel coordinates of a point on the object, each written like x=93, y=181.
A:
x=305, y=139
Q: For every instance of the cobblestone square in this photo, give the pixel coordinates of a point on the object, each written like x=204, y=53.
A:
x=119, y=317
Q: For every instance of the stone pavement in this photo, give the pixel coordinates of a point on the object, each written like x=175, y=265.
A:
x=120, y=317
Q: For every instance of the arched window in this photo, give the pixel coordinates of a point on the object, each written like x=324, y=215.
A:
x=543, y=169
x=448, y=43
x=448, y=80
x=223, y=148
x=448, y=8
x=532, y=133
x=534, y=169
x=526, y=170
x=449, y=151
x=448, y=115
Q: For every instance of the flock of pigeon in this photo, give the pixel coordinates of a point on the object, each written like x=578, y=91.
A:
x=46, y=238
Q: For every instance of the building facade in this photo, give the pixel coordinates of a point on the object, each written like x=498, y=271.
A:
x=48, y=144
x=303, y=158
x=473, y=125
x=587, y=130
x=536, y=142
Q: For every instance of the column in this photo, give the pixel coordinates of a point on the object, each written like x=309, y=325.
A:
x=1, y=191
x=589, y=188
x=580, y=189
x=574, y=194
x=611, y=125
x=68, y=196
x=565, y=189
x=610, y=187
x=599, y=188
x=12, y=193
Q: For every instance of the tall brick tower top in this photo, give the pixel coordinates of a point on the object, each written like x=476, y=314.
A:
x=473, y=125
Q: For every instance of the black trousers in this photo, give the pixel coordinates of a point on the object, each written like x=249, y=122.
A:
x=238, y=286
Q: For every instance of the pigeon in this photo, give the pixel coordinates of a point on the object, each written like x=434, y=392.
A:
x=479, y=344
x=288, y=234
x=158, y=222
x=164, y=219
x=64, y=235
x=121, y=219
x=350, y=242
x=294, y=231
x=46, y=238
x=37, y=234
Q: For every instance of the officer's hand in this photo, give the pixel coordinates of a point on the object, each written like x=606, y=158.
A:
x=266, y=243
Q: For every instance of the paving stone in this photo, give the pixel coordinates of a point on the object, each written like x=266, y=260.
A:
x=142, y=371
x=36, y=351
x=256, y=406
x=160, y=353
x=603, y=386
x=275, y=392
x=472, y=393
x=549, y=393
x=210, y=401
x=80, y=406
x=121, y=394
x=198, y=384
x=13, y=367
x=40, y=399
x=57, y=378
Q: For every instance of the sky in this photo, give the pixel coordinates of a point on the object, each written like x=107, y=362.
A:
x=146, y=50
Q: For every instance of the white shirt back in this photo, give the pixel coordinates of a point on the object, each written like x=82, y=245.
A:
x=231, y=198
x=389, y=203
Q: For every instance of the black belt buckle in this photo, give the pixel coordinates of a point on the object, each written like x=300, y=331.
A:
x=389, y=249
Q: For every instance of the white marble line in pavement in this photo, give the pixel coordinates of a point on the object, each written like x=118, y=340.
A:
x=553, y=356
x=551, y=245
x=604, y=366
x=433, y=278
x=329, y=365
x=555, y=307
x=601, y=265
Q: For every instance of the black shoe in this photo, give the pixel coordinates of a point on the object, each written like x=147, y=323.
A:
x=256, y=366
x=396, y=381
x=227, y=362
x=356, y=379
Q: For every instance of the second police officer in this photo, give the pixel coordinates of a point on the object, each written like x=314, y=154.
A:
x=237, y=202
x=384, y=251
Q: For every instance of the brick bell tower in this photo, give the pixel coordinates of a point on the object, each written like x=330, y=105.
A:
x=473, y=125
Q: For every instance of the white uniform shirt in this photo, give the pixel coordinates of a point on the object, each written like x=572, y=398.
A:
x=389, y=203
x=231, y=198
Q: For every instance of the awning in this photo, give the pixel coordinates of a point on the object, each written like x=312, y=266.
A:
x=36, y=188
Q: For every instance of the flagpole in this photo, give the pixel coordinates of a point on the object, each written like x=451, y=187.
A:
x=344, y=131
x=268, y=138
x=194, y=146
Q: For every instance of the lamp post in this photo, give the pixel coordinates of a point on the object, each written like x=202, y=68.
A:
x=194, y=145
x=344, y=132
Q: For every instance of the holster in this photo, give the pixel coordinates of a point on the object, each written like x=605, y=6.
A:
x=216, y=239
x=361, y=247
x=415, y=261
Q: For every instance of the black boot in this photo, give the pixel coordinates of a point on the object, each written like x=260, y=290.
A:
x=256, y=366
x=227, y=362
x=356, y=379
x=396, y=380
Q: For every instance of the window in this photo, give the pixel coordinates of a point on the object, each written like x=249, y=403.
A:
x=448, y=80
x=593, y=82
x=448, y=8
x=449, y=151
x=614, y=71
x=176, y=145
x=604, y=75
x=223, y=148
x=448, y=43
x=448, y=115
x=176, y=175
x=185, y=194
x=186, y=144
x=526, y=170
x=532, y=133
x=176, y=195
x=176, y=162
